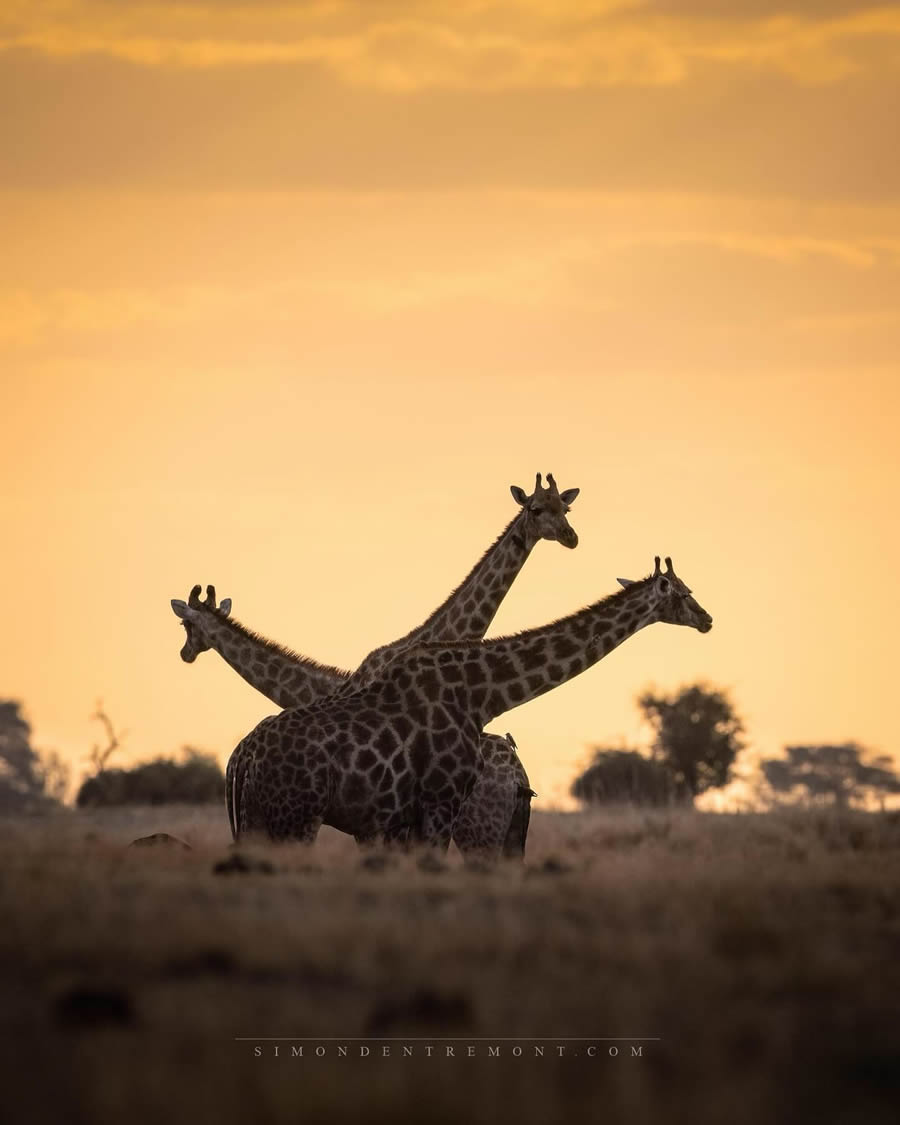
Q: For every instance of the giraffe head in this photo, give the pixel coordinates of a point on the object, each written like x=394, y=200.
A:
x=672, y=600
x=545, y=511
x=191, y=619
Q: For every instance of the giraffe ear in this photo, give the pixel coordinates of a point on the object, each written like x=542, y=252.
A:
x=518, y=494
x=225, y=606
x=569, y=495
x=626, y=582
x=179, y=608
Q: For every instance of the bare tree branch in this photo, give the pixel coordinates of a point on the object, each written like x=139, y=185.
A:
x=100, y=755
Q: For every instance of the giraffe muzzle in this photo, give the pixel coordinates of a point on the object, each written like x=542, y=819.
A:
x=569, y=539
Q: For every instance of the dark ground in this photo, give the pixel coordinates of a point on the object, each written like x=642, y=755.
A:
x=761, y=951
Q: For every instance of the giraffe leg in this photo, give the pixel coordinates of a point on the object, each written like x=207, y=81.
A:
x=390, y=838
x=437, y=824
x=306, y=833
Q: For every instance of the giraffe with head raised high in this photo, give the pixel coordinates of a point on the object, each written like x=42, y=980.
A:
x=402, y=754
x=499, y=806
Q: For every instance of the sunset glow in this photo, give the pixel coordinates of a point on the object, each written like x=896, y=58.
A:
x=291, y=294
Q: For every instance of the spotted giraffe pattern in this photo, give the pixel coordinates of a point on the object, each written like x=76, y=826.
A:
x=291, y=680
x=403, y=753
x=493, y=822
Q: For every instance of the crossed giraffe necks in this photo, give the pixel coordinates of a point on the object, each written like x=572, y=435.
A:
x=486, y=679
x=292, y=680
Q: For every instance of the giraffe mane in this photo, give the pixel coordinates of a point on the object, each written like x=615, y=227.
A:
x=282, y=650
x=540, y=630
x=615, y=596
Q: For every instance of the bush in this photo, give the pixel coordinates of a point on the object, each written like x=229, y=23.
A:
x=194, y=780
x=627, y=777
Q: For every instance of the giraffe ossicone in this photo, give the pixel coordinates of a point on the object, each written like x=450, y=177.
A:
x=189, y=614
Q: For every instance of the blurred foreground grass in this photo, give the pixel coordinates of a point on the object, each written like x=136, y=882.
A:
x=762, y=950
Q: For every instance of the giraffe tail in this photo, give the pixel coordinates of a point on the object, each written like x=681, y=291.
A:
x=517, y=834
x=234, y=777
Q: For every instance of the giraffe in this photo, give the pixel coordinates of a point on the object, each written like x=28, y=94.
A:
x=493, y=819
x=291, y=680
x=403, y=753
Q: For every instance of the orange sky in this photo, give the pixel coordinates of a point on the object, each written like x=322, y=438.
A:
x=290, y=295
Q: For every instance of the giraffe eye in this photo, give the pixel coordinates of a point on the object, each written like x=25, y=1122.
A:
x=537, y=511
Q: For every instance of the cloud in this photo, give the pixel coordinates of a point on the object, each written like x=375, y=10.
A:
x=96, y=122
x=349, y=96
x=704, y=300
x=470, y=46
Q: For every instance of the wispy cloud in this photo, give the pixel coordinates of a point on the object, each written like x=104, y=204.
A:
x=513, y=45
x=708, y=293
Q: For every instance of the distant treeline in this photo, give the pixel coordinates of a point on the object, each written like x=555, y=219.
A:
x=33, y=782
x=697, y=737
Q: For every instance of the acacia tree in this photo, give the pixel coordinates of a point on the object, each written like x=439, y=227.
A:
x=697, y=735
x=841, y=775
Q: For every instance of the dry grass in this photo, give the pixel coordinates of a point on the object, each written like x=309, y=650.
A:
x=761, y=949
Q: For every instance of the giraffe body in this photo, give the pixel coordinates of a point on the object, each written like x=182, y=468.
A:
x=292, y=681
x=402, y=754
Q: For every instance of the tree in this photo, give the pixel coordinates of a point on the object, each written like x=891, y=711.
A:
x=28, y=783
x=697, y=736
x=840, y=775
x=625, y=776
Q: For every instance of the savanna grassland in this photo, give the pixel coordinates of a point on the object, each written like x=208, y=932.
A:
x=760, y=955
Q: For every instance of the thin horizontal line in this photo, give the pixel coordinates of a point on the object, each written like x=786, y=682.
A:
x=446, y=1038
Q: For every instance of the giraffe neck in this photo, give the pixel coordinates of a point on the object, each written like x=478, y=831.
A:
x=490, y=678
x=285, y=677
x=472, y=606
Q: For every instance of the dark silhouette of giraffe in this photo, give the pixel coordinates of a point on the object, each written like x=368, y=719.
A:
x=400, y=755
x=291, y=680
